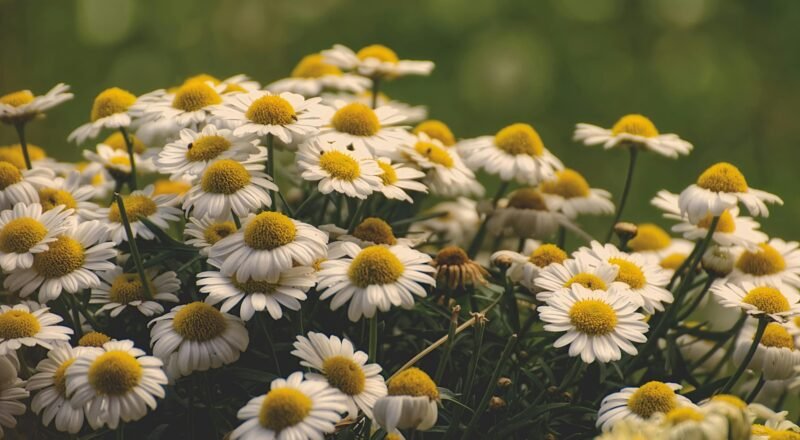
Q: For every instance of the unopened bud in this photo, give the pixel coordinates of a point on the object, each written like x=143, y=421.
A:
x=718, y=261
x=625, y=231
x=504, y=382
x=502, y=259
x=496, y=403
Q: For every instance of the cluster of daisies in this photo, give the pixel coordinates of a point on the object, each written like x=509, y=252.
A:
x=319, y=189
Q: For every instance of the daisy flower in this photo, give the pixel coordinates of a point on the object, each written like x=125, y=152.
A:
x=455, y=271
x=457, y=224
x=233, y=84
x=411, y=113
x=70, y=192
x=436, y=129
x=635, y=131
x=575, y=196
x=776, y=355
x=446, y=174
x=229, y=185
x=13, y=154
x=286, y=116
x=720, y=187
x=644, y=278
x=706, y=422
x=368, y=131
x=144, y=155
x=338, y=169
x=116, y=162
x=140, y=204
x=98, y=177
x=312, y=75
x=19, y=325
x=411, y=403
x=197, y=337
x=515, y=153
x=758, y=300
x=293, y=408
x=19, y=186
x=193, y=151
x=529, y=214
x=93, y=339
x=118, y=290
x=68, y=264
x=398, y=178
x=640, y=403
x=375, y=61
x=774, y=262
x=49, y=382
x=656, y=244
x=21, y=106
x=109, y=110
x=375, y=278
x=525, y=269
x=268, y=244
x=116, y=383
x=371, y=231
x=190, y=105
x=206, y=231
x=258, y=295
x=12, y=392
x=343, y=368
x=25, y=231
x=556, y=278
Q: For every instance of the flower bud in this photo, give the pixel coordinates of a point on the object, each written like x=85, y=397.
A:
x=718, y=261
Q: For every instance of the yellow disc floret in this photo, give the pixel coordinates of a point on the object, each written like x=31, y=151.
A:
x=252, y=286
x=649, y=237
x=194, y=96
x=652, y=397
x=15, y=324
x=9, y=174
x=546, y=255
x=389, y=176
x=199, y=322
x=587, y=280
x=93, y=339
x=63, y=256
x=725, y=224
x=136, y=206
x=730, y=399
x=527, y=198
x=60, y=377
x=723, y=177
x=166, y=186
x=206, y=148
x=271, y=110
x=452, y=256
x=314, y=66
x=225, y=176
x=767, y=300
x=346, y=375
x=375, y=265
x=765, y=261
x=202, y=78
x=269, y=230
x=111, y=101
x=593, y=317
x=673, y=261
x=683, y=414
x=218, y=230
x=128, y=287
x=340, y=165
x=519, y=139
x=284, y=407
x=49, y=198
x=114, y=373
x=379, y=52
x=375, y=230
x=356, y=119
x=434, y=153
x=413, y=382
x=629, y=273
x=568, y=184
x=18, y=98
x=117, y=142
x=636, y=125
x=776, y=335
x=21, y=234
x=436, y=130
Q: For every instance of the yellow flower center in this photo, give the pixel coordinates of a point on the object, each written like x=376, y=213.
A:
x=346, y=375
x=452, y=256
x=684, y=414
x=21, y=234
x=60, y=377
x=587, y=280
x=194, y=96
x=765, y=261
x=389, y=175
x=730, y=399
x=16, y=99
x=13, y=154
x=413, y=382
x=115, y=373
x=93, y=339
x=252, y=286
x=314, y=66
x=117, y=142
x=652, y=397
x=206, y=148
x=629, y=273
x=282, y=408
x=375, y=265
x=723, y=177
x=775, y=335
x=340, y=165
x=725, y=224
x=673, y=261
x=199, y=322
x=224, y=176
x=63, y=256
x=568, y=184
x=436, y=130
x=519, y=139
x=767, y=300
x=269, y=230
x=202, y=78
x=593, y=317
x=217, y=231
x=136, y=206
x=527, y=198
x=9, y=175
x=356, y=119
x=128, y=287
x=649, y=237
x=15, y=324
x=636, y=125
x=111, y=101
x=761, y=430
x=546, y=255
x=49, y=198
x=165, y=186
x=379, y=52
x=375, y=230
x=434, y=153
x=271, y=110
x=784, y=435
x=120, y=162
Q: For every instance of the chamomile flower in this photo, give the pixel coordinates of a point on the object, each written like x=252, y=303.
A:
x=12, y=392
x=515, y=153
x=529, y=214
x=117, y=383
x=50, y=384
x=458, y=222
x=287, y=116
x=343, y=368
x=776, y=355
x=455, y=270
x=193, y=151
x=411, y=402
x=13, y=154
x=411, y=113
x=338, y=169
x=20, y=325
x=376, y=61
x=119, y=290
x=258, y=295
x=706, y=422
x=640, y=403
x=398, y=178
x=775, y=262
x=116, y=162
x=138, y=205
x=656, y=244
x=525, y=269
x=374, y=278
x=144, y=155
x=233, y=84
x=98, y=177
x=197, y=337
x=206, y=231
x=575, y=195
x=758, y=300
x=25, y=231
x=21, y=106
x=369, y=132
x=371, y=231
x=720, y=187
x=312, y=75
x=634, y=131
x=109, y=110
x=70, y=192
x=557, y=277
x=644, y=278
x=436, y=129
x=19, y=186
x=268, y=244
x=446, y=173
x=69, y=264
x=189, y=105
x=293, y=408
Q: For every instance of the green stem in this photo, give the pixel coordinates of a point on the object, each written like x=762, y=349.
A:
x=89, y=317
x=71, y=307
x=137, y=258
x=307, y=202
x=263, y=324
x=477, y=241
x=562, y=237
x=762, y=325
x=376, y=85
x=355, y=219
x=236, y=220
x=511, y=303
x=373, y=338
x=23, y=144
x=634, y=151
x=418, y=218
x=757, y=389
x=683, y=266
x=129, y=146
x=688, y=311
x=120, y=431
x=271, y=169
x=448, y=348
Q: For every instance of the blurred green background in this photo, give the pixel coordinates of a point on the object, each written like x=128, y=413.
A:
x=723, y=74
